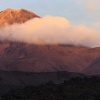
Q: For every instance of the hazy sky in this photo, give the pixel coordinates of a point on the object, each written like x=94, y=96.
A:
x=77, y=11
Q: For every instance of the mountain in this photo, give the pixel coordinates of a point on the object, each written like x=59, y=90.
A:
x=45, y=58
x=23, y=64
x=11, y=16
x=17, y=56
x=94, y=68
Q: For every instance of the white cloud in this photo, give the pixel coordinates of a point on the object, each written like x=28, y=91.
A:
x=96, y=25
x=51, y=30
x=90, y=5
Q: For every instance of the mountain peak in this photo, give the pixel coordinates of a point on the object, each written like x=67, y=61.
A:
x=11, y=16
x=9, y=9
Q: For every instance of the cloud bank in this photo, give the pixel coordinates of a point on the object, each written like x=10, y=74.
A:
x=90, y=5
x=50, y=30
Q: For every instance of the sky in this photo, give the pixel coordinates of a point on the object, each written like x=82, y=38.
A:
x=85, y=12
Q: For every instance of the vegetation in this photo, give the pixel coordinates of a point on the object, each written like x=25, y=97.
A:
x=73, y=89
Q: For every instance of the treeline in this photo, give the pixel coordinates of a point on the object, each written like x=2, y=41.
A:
x=73, y=89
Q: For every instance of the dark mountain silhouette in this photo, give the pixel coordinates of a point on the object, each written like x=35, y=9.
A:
x=10, y=80
x=87, y=88
x=15, y=78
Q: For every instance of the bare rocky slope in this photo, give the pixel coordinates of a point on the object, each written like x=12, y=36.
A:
x=15, y=56
x=45, y=58
x=94, y=68
x=11, y=16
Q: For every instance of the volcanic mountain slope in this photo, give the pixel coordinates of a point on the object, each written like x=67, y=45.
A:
x=94, y=68
x=11, y=16
x=45, y=58
x=15, y=56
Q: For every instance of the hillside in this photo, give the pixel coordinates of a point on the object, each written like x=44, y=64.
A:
x=94, y=68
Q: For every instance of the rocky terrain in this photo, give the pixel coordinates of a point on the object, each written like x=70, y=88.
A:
x=94, y=68
x=11, y=16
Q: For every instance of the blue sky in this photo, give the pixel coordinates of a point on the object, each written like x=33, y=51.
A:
x=77, y=11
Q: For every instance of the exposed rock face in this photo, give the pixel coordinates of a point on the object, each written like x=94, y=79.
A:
x=10, y=16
